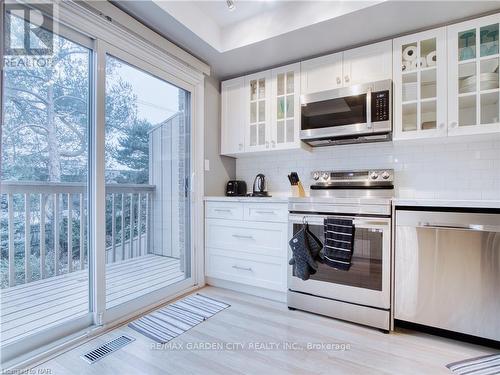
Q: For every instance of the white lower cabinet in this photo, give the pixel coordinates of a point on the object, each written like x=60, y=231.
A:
x=248, y=250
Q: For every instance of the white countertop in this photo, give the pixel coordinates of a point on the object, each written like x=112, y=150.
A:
x=455, y=203
x=277, y=199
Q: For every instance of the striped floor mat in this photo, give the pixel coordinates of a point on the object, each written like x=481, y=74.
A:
x=169, y=322
x=485, y=365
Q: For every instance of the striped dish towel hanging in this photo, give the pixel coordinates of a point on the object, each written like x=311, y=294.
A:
x=339, y=243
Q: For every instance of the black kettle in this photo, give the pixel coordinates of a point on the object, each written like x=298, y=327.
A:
x=259, y=186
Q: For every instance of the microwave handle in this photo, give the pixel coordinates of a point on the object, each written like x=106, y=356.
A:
x=369, y=124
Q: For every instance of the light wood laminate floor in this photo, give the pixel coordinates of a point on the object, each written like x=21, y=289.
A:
x=256, y=320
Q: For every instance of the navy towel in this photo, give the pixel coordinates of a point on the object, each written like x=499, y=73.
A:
x=339, y=243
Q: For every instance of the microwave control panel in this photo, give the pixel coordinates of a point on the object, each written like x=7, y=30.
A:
x=380, y=106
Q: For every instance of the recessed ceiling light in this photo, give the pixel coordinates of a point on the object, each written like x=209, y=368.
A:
x=230, y=5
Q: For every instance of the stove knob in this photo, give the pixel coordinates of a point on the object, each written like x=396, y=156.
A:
x=316, y=175
x=374, y=175
x=325, y=175
x=385, y=175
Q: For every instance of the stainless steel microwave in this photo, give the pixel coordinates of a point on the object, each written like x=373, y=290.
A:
x=355, y=114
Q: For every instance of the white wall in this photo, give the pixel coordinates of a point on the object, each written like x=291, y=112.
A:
x=451, y=168
x=222, y=168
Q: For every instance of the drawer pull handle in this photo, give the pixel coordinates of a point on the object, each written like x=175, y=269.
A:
x=243, y=268
x=242, y=236
x=221, y=210
x=265, y=212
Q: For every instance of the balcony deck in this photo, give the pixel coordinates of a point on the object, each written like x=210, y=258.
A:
x=39, y=305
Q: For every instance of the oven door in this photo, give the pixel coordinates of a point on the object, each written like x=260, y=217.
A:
x=368, y=280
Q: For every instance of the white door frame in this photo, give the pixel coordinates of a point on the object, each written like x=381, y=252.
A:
x=104, y=35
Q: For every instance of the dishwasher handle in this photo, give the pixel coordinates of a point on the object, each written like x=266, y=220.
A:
x=469, y=227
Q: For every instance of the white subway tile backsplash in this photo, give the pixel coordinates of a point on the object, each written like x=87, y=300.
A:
x=451, y=168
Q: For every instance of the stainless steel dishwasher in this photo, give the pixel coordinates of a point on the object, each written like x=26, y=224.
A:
x=447, y=270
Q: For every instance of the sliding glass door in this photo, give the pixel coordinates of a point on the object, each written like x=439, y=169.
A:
x=147, y=158
x=95, y=195
x=44, y=247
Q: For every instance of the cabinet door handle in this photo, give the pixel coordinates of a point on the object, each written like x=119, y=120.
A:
x=243, y=268
x=441, y=125
x=221, y=210
x=346, y=78
x=454, y=124
x=339, y=81
x=265, y=212
x=273, y=144
x=241, y=146
x=242, y=236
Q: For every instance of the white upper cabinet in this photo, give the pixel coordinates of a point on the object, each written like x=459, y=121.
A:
x=320, y=74
x=233, y=116
x=473, y=66
x=257, y=111
x=359, y=65
x=285, y=107
x=368, y=63
x=420, y=79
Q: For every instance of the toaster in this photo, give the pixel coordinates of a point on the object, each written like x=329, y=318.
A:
x=236, y=188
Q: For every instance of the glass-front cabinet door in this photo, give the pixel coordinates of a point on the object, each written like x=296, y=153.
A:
x=285, y=106
x=258, y=121
x=474, y=76
x=419, y=66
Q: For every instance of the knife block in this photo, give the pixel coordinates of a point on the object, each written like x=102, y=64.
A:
x=298, y=190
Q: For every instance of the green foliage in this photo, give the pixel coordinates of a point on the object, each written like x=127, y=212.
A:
x=133, y=151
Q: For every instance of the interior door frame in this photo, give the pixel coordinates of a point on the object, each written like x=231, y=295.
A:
x=102, y=315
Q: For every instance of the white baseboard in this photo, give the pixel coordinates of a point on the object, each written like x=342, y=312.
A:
x=248, y=289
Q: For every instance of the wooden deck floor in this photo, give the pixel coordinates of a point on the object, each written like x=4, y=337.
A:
x=28, y=308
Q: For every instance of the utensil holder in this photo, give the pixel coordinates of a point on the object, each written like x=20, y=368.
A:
x=298, y=190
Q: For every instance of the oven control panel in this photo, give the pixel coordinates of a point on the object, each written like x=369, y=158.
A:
x=380, y=106
x=351, y=178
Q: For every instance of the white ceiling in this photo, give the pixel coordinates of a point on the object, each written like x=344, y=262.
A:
x=262, y=34
x=253, y=21
x=218, y=11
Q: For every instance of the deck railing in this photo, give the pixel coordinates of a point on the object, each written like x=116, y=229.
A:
x=44, y=227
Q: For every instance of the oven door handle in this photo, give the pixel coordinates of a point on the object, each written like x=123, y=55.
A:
x=318, y=220
x=377, y=223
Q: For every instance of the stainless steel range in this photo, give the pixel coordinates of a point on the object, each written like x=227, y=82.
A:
x=361, y=294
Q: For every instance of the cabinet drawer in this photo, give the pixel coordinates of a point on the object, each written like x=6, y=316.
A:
x=247, y=237
x=224, y=210
x=277, y=212
x=223, y=264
